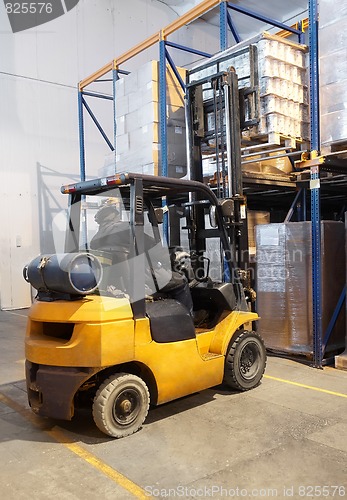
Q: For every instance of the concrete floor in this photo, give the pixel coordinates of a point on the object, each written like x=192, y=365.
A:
x=277, y=441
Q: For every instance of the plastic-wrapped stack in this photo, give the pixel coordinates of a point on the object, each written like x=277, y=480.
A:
x=281, y=67
x=333, y=71
x=284, y=285
x=137, y=119
x=341, y=359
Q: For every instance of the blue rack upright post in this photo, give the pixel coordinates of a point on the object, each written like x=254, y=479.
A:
x=315, y=186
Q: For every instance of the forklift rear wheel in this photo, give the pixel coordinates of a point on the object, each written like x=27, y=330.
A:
x=245, y=361
x=121, y=405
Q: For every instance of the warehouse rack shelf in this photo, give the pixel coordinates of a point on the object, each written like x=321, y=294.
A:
x=161, y=38
x=284, y=190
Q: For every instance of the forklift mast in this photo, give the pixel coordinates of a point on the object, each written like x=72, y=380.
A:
x=214, y=130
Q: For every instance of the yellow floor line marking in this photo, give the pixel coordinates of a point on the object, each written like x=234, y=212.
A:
x=88, y=457
x=341, y=395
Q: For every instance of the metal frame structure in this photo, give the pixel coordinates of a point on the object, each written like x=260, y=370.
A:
x=161, y=37
x=227, y=24
x=314, y=185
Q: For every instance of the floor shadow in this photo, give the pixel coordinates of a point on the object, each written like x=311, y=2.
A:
x=82, y=427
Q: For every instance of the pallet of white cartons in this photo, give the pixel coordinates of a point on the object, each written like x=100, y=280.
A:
x=283, y=88
x=283, y=97
x=272, y=103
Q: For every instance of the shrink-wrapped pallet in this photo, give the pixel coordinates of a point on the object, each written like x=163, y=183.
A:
x=333, y=73
x=341, y=359
x=284, y=285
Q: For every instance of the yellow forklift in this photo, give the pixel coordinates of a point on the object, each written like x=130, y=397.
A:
x=150, y=300
x=105, y=328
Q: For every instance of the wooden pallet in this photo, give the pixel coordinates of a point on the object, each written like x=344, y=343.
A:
x=271, y=140
x=338, y=148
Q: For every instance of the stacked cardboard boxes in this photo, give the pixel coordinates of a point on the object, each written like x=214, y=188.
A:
x=137, y=118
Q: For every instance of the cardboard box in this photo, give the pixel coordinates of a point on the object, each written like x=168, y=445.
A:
x=122, y=105
x=122, y=143
x=255, y=217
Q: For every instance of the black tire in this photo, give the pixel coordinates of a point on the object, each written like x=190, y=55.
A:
x=245, y=361
x=121, y=405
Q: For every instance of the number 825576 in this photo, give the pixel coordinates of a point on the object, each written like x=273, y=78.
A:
x=29, y=8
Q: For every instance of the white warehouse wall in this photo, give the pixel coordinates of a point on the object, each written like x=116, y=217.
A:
x=39, y=148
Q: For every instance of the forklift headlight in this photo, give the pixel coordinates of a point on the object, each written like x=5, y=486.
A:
x=71, y=273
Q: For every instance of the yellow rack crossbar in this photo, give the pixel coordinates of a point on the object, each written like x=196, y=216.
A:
x=285, y=33
x=101, y=72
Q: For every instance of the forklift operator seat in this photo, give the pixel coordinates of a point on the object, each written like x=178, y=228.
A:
x=214, y=296
x=170, y=321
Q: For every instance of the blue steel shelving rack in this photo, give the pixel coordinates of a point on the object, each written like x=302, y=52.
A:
x=164, y=57
x=315, y=187
x=226, y=24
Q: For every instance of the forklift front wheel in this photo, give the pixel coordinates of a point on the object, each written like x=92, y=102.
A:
x=245, y=361
x=121, y=405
